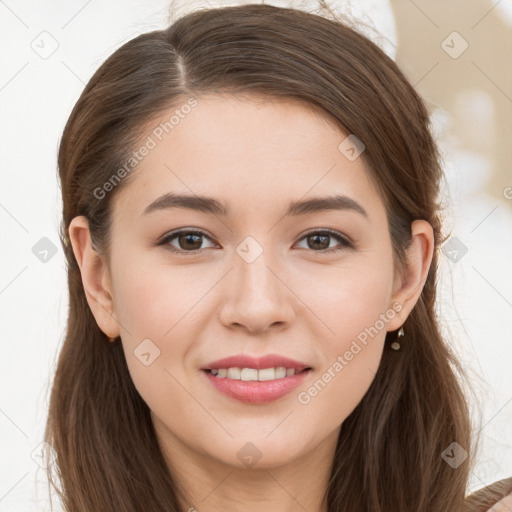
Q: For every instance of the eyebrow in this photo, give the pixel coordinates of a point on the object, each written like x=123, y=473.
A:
x=209, y=205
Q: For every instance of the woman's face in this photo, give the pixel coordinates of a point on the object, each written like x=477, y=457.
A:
x=258, y=280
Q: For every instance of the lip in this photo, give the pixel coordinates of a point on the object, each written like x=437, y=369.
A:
x=256, y=392
x=246, y=361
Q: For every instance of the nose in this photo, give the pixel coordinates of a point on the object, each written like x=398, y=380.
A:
x=256, y=297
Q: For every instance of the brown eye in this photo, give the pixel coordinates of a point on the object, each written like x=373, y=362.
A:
x=186, y=241
x=320, y=241
x=189, y=241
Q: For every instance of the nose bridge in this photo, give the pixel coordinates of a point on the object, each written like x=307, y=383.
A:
x=252, y=274
x=255, y=298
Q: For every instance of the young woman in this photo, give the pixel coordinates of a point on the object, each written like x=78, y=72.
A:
x=251, y=224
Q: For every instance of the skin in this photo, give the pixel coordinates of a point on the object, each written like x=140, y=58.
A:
x=504, y=505
x=255, y=156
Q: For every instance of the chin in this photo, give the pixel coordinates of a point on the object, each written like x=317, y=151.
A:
x=256, y=452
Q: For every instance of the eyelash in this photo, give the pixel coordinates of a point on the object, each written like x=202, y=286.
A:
x=345, y=242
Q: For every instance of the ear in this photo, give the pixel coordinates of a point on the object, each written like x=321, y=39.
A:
x=409, y=285
x=95, y=276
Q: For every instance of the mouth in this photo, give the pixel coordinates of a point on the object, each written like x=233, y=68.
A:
x=256, y=380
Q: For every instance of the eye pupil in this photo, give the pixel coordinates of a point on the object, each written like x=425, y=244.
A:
x=316, y=237
x=187, y=238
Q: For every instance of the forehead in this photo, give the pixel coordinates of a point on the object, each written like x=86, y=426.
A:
x=255, y=151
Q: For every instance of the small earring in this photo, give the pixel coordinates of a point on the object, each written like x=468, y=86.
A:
x=395, y=345
x=111, y=340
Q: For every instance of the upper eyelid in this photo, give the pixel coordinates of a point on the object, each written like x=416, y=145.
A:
x=195, y=231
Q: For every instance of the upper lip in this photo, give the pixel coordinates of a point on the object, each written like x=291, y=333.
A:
x=245, y=361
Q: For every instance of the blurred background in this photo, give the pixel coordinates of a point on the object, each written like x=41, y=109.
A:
x=457, y=54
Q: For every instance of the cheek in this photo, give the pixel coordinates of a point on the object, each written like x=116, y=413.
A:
x=152, y=301
x=348, y=299
x=352, y=303
x=351, y=353
x=339, y=387
x=160, y=309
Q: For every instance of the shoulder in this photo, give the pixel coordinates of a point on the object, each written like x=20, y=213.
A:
x=503, y=505
x=496, y=497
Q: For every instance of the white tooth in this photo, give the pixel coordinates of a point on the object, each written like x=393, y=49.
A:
x=249, y=374
x=234, y=373
x=252, y=374
x=280, y=372
x=266, y=374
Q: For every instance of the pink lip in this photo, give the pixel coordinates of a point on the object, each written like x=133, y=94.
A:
x=256, y=392
x=245, y=361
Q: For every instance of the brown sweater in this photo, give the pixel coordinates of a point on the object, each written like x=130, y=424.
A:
x=484, y=499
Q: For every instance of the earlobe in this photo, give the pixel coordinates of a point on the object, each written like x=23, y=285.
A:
x=419, y=257
x=95, y=276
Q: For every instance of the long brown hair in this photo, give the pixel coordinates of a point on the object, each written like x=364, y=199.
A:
x=389, y=456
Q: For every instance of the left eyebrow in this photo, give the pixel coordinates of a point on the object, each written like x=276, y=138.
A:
x=321, y=204
x=212, y=206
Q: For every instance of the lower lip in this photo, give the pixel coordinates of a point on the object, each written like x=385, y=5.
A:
x=257, y=392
